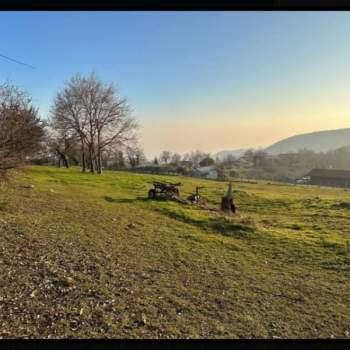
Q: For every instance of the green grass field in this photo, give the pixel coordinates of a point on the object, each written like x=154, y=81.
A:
x=88, y=256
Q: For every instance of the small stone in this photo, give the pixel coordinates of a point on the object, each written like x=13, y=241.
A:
x=28, y=186
x=346, y=333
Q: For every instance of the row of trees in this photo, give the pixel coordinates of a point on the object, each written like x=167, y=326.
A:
x=92, y=126
x=89, y=124
x=284, y=167
x=194, y=159
x=89, y=117
x=253, y=164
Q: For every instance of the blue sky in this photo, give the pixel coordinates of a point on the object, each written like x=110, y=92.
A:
x=233, y=79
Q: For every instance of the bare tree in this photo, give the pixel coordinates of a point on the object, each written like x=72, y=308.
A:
x=259, y=158
x=96, y=114
x=196, y=157
x=135, y=155
x=21, y=130
x=114, y=124
x=165, y=156
x=67, y=115
x=61, y=145
x=176, y=159
x=119, y=159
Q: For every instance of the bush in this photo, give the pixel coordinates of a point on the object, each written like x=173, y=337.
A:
x=21, y=130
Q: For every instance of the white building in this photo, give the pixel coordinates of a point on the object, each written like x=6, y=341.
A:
x=208, y=172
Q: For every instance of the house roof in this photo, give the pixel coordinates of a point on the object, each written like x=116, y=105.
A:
x=330, y=173
x=206, y=169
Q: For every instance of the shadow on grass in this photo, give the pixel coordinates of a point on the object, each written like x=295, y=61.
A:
x=124, y=200
x=217, y=225
x=135, y=200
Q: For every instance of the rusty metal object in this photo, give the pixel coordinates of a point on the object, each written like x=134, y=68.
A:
x=164, y=190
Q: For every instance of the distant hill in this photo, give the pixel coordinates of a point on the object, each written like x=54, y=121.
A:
x=321, y=141
x=236, y=153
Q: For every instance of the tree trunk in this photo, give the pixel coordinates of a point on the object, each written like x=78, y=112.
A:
x=99, y=160
x=99, y=163
x=91, y=148
x=83, y=156
x=65, y=161
x=92, y=168
x=63, y=157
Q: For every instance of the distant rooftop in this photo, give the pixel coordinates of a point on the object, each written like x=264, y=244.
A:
x=207, y=168
x=330, y=173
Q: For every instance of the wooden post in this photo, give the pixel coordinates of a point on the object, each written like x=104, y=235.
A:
x=227, y=201
x=229, y=196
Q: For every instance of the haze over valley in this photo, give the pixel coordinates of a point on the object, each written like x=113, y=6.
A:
x=319, y=141
x=174, y=175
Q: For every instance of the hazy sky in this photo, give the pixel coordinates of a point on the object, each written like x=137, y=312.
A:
x=196, y=80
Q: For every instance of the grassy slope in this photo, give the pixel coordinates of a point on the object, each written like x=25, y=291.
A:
x=87, y=256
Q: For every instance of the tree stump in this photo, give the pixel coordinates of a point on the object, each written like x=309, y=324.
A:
x=227, y=201
x=228, y=205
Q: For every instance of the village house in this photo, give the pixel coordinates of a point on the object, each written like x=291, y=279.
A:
x=330, y=177
x=208, y=172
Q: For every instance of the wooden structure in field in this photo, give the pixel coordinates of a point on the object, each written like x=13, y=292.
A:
x=227, y=201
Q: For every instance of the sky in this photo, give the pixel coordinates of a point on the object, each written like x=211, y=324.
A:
x=196, y=80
